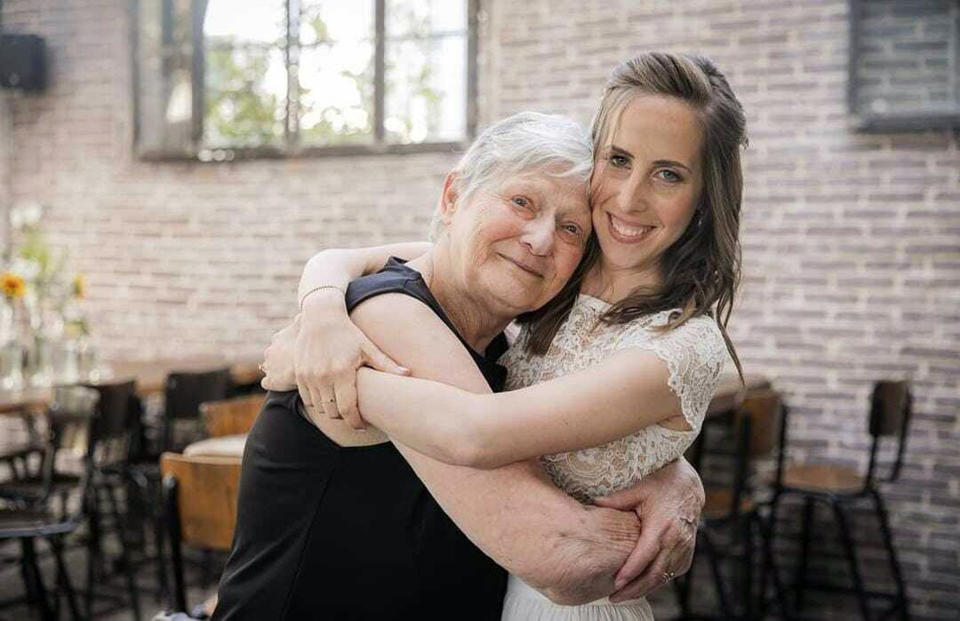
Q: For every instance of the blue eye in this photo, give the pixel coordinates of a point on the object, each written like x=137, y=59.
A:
x=520, y=201
x=669, y=175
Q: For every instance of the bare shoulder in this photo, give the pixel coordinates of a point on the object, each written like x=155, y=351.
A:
x=410, y=332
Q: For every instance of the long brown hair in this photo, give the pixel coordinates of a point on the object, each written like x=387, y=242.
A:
x=701, y=270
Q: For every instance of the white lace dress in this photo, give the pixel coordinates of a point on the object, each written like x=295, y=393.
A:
x=694, y=354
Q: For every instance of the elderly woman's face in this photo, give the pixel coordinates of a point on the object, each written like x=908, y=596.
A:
x=520, y=239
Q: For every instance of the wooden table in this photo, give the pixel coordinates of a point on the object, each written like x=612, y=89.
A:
x=150, y=376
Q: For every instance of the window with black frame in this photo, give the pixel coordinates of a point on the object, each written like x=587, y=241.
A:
x=225, y=79
x=904, y=64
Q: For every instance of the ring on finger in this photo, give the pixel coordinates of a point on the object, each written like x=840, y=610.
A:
x=668, y=576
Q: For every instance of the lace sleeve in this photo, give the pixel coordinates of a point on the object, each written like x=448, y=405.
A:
x=695, y=355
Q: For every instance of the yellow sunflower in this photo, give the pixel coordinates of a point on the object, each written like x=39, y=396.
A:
x=12, y=285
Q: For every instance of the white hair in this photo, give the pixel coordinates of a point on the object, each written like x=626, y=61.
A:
x=522, y=143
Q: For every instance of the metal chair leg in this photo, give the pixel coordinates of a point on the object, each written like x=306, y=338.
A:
x=746, y=573
x=714, y=561
x=94, y=552
x=801, y=576
x=63, y=578
x=852, y=560
x=770, y=571
x=901, y=601
x=36, y=579
x=121, y=525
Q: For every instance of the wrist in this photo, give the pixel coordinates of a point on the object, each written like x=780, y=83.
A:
x=323, y=296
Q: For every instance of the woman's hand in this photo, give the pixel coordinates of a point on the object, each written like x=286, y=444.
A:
x=279, y=372
x=668, y=503
x=327, y=353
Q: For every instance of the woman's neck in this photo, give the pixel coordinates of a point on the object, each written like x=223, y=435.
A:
x=476, y=325
x=612, y=284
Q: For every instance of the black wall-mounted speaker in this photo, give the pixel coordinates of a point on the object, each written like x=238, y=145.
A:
x=22, y=62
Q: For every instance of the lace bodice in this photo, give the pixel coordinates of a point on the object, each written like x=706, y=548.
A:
x=694, y=354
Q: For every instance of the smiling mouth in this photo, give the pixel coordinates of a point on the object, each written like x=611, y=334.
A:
x=625, y=232
x=525, y=268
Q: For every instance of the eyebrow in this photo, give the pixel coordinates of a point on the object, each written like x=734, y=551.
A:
x=621, y=151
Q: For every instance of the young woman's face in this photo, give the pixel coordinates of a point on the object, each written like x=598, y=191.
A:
x=646, y=184
x=520, y=240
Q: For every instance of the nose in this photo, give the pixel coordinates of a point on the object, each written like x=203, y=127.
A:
x=539, y=236
x=630, y=196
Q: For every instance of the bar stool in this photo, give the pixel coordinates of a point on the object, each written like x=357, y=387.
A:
x=734, y=509
x=838, y=486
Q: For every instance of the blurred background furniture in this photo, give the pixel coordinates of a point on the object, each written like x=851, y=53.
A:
x=27, y=526
x=231, y=416
x=200, y=508
x=838, y=487
x=731, y=521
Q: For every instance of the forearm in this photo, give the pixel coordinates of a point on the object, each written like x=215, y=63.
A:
x=338, y=266
x=450, y=430
x=569, y=551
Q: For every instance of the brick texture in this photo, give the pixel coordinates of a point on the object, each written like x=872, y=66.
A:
x=851, y=241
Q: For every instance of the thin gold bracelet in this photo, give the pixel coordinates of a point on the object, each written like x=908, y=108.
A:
x=315, y=289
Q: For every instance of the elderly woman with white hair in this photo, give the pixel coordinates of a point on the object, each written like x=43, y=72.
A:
x=338, y=523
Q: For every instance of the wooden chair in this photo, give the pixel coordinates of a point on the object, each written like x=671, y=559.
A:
x=183, y=394
x=113, y=435
x=733, y=508
x=231, y=416
x=838, y=486
x=200, y=503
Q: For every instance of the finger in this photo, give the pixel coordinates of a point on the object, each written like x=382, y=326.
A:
x=315, y=414
x=304, y=391
x=643, y=554
x=346, y=391
x=672, y=561
x=647, y=582
x=375, y=358
x=624, y=500
x=329, y=404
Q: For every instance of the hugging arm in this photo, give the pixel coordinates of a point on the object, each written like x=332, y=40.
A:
x=591, y=407
x=327, y=382
x=514, y=514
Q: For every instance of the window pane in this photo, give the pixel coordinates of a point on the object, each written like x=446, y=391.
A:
x=245, y=21
x=426, y=66
x=426, y=89
x=245, y=96
x=165, y=84
x=336, y=69
x=417, y=18
x=325, y=21
x=336, y=94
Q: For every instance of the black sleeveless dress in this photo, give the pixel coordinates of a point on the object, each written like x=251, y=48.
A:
x=331, y=532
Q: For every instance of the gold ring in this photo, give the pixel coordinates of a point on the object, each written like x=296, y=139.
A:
x=668, y=576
